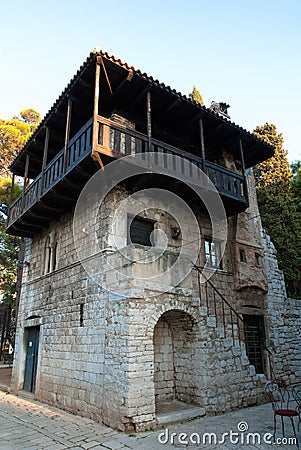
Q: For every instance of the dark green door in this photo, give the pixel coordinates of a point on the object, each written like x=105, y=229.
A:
x=31, y=359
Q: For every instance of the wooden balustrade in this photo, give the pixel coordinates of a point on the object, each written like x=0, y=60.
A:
x=78, y=148
x=115, y=140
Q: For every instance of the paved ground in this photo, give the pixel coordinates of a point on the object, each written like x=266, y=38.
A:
x=30, y=425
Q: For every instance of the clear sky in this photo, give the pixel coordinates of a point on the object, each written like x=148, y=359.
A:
x=243, y=52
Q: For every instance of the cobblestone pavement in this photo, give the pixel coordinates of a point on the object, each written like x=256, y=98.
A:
x=30, y=425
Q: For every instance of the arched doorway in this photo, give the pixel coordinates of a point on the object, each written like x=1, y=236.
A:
x=174, y=358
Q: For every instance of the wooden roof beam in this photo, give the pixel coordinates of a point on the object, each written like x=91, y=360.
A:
x=141, y=95
x=85, y=84
x=169, y=108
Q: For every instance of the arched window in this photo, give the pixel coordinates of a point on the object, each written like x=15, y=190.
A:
x=47, y=255
x=51, y=253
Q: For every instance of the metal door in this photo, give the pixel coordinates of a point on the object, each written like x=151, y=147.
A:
x=254, y=336
x=31, y=359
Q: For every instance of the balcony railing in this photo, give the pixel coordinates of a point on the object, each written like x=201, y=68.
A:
x=120, y=141
x=78, y=148
x=115, y=141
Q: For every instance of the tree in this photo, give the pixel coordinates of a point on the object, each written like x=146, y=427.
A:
x=280, y=207
x=13, y=134
x=276, y=168
x=9, y=248
x=30, y=116
x=196, y=96
x=281, y=217
x=296, y=181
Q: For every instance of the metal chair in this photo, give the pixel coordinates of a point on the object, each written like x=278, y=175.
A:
x=296, y=391
x=279, y=396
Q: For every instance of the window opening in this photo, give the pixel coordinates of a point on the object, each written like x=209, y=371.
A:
x=213, y=253
x=254, y=336
x=140, y=231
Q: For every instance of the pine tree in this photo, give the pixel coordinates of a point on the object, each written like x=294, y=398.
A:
x=276, y=168
x=196, y=96
x=280, y=207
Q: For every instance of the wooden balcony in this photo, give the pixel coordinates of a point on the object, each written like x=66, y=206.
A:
x=55, y=190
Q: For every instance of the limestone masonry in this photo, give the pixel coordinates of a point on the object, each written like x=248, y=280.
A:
x=115, y=318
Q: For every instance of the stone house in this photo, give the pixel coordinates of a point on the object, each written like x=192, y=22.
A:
x=145, y=280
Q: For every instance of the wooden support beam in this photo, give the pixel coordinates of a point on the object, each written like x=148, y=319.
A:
x=25, y=178
x=11, y=197
x=100, y=59
x=214, y=130
x=242, y=158
x=67, y=133
x=12, y=190
x=202, y=143
x=95, y=109
x=170, y=107
x=141, y=95
x=96, y=88
x=44, y=162
x=85, y=84
x=149, y=119
x=243, y=166
x=120, y=85
x=193, y=119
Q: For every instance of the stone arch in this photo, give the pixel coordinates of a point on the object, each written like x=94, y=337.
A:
x=174, y=339
x=170, y=306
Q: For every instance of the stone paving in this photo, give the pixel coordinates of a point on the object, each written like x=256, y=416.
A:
x=30, y=425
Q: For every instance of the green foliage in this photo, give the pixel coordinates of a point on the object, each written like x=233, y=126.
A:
x=296, y=181
x=30, y=116
x=13, y=134
x=9, y=245
x=277, y=167
x=196, y=96
x=281, y=217
x=279, y=201
x=5, y=188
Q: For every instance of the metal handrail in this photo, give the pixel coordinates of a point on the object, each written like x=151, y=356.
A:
x=237, y=315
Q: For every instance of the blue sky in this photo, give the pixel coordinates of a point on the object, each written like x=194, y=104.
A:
x=246, y=53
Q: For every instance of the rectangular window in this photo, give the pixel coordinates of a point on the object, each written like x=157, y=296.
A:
x=213, y=253
x=140, y=231
x=257, y=259
x=81, y=314
x=242, y=255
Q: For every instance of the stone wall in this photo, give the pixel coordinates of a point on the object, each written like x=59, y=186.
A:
x=106, y=338
x=163, y=363
x=283, y=320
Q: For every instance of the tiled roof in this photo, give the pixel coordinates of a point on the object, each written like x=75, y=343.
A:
x=149, y=79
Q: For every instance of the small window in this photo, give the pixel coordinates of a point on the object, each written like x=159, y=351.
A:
x=242, y=255
x=81, y=314
x=213, y=254
x=50, y=255
x=47, y=255
x=257, y=259
x=140, y=231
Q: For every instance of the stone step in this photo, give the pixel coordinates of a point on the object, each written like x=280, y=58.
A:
x=179, y=416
